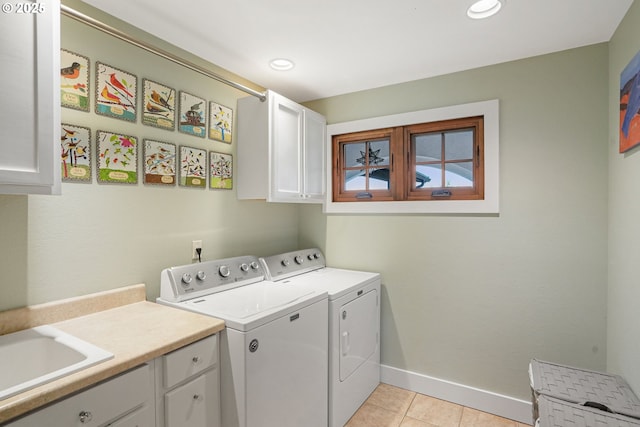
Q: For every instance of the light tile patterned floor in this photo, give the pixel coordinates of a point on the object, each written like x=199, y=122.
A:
x=390, y=406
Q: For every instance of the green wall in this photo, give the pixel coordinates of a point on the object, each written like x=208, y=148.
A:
x=102, y=236
x=623, y=313
x=471, y=299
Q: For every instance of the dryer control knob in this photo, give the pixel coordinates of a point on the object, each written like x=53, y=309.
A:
x=285, y=262
x=224, y=271
x=186, y=279
x=310, y=257
x=201, y=275
x=244, y=267
x=255, y=265
x=298, y=259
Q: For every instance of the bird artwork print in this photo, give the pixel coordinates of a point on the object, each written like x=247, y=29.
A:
x=158, y=105
x=116, y=93
x=74, y=146
x=192, y=115
x=74, y=80
x=70, y=72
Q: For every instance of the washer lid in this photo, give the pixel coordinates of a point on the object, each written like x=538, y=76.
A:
x=249, y=306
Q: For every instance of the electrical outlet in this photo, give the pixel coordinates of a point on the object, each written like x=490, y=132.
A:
x=196, y=244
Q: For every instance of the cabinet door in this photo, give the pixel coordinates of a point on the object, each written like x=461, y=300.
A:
x=286, y=150
x=30, y=111
x=314, y=164
x=194, y=404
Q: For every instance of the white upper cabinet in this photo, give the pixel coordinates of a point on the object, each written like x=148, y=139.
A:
x=280, y=151
x=30, y=93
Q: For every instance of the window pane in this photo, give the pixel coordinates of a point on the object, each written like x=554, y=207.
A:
x=379, y=153
x=379, y=179
x=458, y=145
x=428, y=176
x=459, y=174
x=352, y=153
x=355, y=180
x=427, y=147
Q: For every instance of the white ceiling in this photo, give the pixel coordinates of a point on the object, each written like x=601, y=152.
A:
x=342, y=46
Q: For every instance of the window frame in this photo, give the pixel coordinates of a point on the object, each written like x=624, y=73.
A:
x=490, y=135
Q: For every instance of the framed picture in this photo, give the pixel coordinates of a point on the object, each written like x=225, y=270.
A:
x=193, y=167
x=116, y=92
x=158, y=105
x=220, y=170
x=193, y=115
x=630, y=105
x=220, y=122
x=75, y=153
x=74, y=80
x=159, y=162
x=118, y=158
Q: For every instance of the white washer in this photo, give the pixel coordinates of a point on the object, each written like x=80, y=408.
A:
x=354, y=324
x=273, y=352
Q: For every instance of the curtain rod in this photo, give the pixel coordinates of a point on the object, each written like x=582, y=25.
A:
x=71, y=13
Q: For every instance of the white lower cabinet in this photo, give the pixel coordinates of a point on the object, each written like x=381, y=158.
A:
x=178, y=389
x=188, y=386
x=123, y=401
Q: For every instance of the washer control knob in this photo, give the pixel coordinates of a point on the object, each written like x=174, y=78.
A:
x=285, y=262
x=201, y=275
x=255, y=265
x=298, y=259
x=186, y=279
x=224, y=271
x=310, y=257
x=244, y=267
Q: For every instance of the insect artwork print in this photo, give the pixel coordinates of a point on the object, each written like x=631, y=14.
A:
x=116, y=92
x=74, y=80
x=192, y=115
x=158, y=105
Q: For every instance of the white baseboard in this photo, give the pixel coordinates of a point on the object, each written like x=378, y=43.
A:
x=486, y=401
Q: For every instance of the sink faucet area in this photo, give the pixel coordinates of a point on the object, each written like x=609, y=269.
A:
x=36, y=356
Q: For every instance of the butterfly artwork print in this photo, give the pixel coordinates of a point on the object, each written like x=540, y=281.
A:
x=74, y=80
x=159, y=162
x=117, y=158
x=158, y=105
x=116, y=92
x=220, y=122
x=193, y=167
x=75, y=153
x=193, y=115
x=220, y=171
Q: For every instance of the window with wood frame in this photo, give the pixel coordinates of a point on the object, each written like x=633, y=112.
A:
x=441, y=160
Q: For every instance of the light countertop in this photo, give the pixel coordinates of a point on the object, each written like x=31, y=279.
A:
x=121, y=322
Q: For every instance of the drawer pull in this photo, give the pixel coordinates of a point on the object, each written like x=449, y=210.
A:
x=85, y=417
x=196, y=359
x=197, y=397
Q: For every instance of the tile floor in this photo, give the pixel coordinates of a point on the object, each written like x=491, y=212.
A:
x=390, y=406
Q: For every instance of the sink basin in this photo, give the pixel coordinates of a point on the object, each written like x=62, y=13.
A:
x=35, y=356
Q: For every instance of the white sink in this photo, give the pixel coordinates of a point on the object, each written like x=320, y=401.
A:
x=38, y=355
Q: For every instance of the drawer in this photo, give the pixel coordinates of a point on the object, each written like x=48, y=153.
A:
x=97, y=405
x=195, y=403
x=188, y=361
x=138, y=418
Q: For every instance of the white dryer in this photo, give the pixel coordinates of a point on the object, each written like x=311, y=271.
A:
x=354, y=324
x=273, y=351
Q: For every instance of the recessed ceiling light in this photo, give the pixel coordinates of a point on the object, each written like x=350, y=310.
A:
x=484, y=8
x=281, y=64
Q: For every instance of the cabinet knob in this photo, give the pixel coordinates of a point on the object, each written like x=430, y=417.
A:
x=197, y=397
x=195, y=359
x=85, y=417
